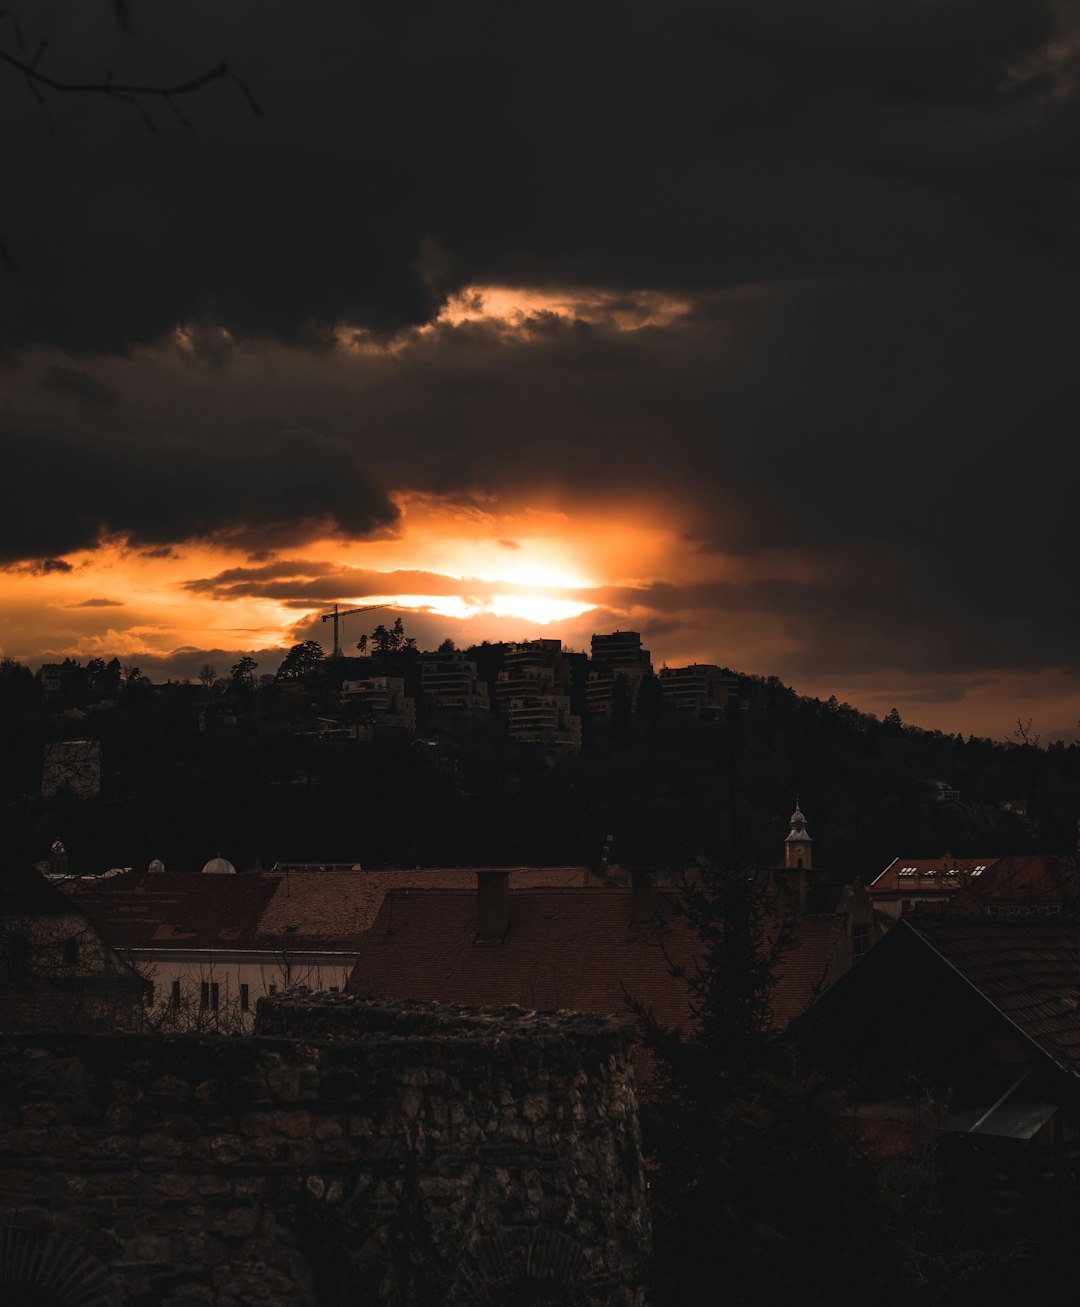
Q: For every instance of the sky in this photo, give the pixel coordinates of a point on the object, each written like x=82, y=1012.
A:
x=748, y=324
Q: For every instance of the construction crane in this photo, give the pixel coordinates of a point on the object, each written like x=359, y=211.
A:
x=346, y=612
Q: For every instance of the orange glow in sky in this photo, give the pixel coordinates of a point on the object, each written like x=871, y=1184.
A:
x=502, y=573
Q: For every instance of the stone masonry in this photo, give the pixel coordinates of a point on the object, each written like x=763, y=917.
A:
x=350, y=1152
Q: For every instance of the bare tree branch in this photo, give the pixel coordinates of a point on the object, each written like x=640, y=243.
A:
x=123, y=17
x=136, y=94
x=16, y=26
x=129, y=92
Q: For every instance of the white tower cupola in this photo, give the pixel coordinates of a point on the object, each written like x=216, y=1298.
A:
x=798, y=851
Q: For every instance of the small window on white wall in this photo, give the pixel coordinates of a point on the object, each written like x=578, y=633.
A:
x=245, y=1000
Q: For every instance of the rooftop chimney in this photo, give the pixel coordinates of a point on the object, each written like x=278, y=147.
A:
x=492, y=906
x=643, y=897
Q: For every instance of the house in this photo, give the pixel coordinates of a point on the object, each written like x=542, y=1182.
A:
x=214, y=943
x=702, y=689
x=590, y=949
x=57, y=971
x=1026, y=885
x=965, y=1031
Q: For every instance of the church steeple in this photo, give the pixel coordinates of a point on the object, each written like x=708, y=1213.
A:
x=798, y=852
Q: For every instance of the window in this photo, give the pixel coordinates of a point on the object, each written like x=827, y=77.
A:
x=213, y=996
x=150, y=995
x=244, y=998
x=174, y=995
x=71, y=952
x=204, y=996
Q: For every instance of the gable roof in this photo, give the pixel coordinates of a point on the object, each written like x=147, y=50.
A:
x=306, y=910
x=330, y=909
x=570, y=948
x=1029, y=970
x=174, y=909
x=1021, y=877
x=803, y=966
x=564, y=949
x=25, y=892
x=929, y=874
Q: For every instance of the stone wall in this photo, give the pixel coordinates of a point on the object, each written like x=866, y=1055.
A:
x=350, y=1152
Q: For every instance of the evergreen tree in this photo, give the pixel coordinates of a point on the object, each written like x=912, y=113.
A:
x=301, y=661
x=756, y=1184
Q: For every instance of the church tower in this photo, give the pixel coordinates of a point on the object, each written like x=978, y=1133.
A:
x=798, y=853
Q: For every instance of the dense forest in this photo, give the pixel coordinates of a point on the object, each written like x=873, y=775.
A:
x=246, y=766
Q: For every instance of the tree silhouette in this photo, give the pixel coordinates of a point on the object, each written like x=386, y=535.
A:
x=301, y=661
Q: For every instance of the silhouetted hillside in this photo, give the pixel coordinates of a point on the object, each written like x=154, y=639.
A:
x=268, y=771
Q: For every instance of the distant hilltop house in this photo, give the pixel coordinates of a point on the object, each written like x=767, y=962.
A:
x=618, y=660
x=1024, y=885
x=57, y=969
x=702, y=689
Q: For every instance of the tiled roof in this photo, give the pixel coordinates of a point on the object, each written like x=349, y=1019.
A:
x=563, y=949
x=174, y=909
x=26, y=892
x=1025, y=876
x=308, y=910
x=803, y=965
x=929, y=874
x=1028, y=969
x=328, y=909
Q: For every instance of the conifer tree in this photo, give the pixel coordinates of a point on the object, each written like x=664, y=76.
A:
x=757, y=1184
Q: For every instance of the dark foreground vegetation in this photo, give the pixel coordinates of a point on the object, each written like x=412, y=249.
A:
x=763, y=1192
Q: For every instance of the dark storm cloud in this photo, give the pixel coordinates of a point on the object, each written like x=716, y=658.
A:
x=79, y=386
x=60, y=493
x=405, y=149
x=42, y=567
x=870, y=212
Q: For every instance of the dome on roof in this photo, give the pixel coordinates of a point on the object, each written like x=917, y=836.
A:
x=156, y=867
x=219, y=866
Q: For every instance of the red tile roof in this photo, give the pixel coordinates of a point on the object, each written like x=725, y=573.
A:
x=311, y=910
x=803, y=966
x=570, y=948
x=1028, y=969
x=328, y=909
x=1017, y=878
x=174, y=909
x=564, y=949
x=929, y=874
